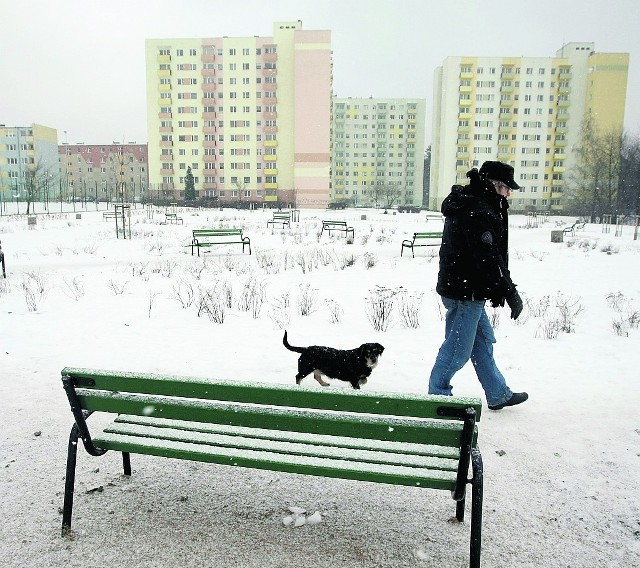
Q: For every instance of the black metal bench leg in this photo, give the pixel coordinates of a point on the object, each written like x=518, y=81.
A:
x=476, y=509
x=126, y=463
x=70, y=479
x=460, y=511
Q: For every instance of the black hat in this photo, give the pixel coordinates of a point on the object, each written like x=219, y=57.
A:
x=499, y=171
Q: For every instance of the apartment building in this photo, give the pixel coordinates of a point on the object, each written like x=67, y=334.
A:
x=104, y=172
x=377, y=151
x=249, y=115
x=28, y=160
x=526, y=111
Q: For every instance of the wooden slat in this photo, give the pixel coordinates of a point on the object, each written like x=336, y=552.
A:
x=397, y=475
x=321, y=447
x=393, y=404
x=307, y=421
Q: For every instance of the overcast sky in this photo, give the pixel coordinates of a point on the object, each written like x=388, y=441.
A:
x=78, y=65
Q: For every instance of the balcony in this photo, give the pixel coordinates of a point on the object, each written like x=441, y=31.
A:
x=270, y=57
x=462, y=102
x=209, y=144
x=466, y=88
x=271, y=115
x=466, y=75
x=208, y=58
x=270, y=101
x=209, y=87
x=271, y=172
x=166, y=143
x=165, y=129
x=268, y=72
x=166, y=172
x=164, y=72
x=208, y=72
x=164, y=115
x=209, y=115
x=270, y=129
x=163, y=58
x=270, y=158
x=559, y=169
x=464, y=116
x=271, y=185
x=270, y=143
x=164, y=88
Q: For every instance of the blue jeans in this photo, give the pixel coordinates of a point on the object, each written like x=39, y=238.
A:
x=468, y=335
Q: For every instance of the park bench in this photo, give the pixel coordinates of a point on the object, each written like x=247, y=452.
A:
x=172, y=218
x=212, y=237
x=577, y=226
x=283, y=219
x=424, y=441
x=428, y=239
x=109, y=215
x=337, y=226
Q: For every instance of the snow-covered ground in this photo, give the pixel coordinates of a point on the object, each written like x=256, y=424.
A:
x=561, y=470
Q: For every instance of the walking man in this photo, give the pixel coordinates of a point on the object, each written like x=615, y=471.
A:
x=473, y=269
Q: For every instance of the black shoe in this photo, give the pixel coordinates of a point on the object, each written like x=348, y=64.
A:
x=516, y=398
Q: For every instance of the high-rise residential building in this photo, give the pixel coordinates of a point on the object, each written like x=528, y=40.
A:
x=28, y=160
x=250, y=116
x=378, y=151
x=105, y=172
x=526, y=111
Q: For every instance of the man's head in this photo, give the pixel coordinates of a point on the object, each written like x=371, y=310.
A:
x=501, y=175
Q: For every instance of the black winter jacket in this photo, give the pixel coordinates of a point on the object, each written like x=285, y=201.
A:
x=474, y=251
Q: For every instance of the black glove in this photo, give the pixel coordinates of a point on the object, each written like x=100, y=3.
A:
x=515, y=303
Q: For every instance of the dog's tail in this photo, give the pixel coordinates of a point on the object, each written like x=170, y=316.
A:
x=290, y=347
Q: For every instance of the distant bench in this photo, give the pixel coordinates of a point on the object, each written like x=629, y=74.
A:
x=433, y=238
x=337, y=226
x=283, y=219
x=577, y=226
x=212, y=237
x=109, y=215
x=419, y=441
x=172, y=218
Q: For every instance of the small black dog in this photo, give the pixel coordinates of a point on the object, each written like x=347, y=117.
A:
x=351, y=365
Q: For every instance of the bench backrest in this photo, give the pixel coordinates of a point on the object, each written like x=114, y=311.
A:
x=338, y=223
x=282, y=215
x=430, y=419
x=428, y=235
x=216, y=232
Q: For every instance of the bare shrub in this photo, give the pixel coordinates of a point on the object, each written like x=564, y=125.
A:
x=346, y=260
x=5, y=287
x=269, y=261
x=73, y=288
x=251, y=297
x=151, y=301
x=90, y=248
x=569, y=309
x=538, y=308
x=409, y=307
x=156, y=246
x=549, y=328
x=167, y=268
x=184, y=293
x=211, y=304
x=379, y=307
x=29, y=294
x=139, y=269
x=117, y=288
x=627, y=316
x=279, y=311
x=307, y=300
x=370, y=260
x=307, y=259
x=197, y=268
x=610, y=249
x=335, y=311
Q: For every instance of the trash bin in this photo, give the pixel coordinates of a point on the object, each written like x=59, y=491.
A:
x=557, y=236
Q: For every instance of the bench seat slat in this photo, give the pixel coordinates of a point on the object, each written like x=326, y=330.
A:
x=426, y=450
x=322, y=446
x=364, y=471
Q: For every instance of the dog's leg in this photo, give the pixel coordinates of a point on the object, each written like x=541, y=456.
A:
x=317, y=375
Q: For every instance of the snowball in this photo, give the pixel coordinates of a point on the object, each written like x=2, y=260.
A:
x=299, y=521
x=314, y=519
x=148, y=410
x=287, y=521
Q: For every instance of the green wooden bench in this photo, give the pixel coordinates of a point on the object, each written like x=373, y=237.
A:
x=211, y=237
x=172, y=218
x=283, y=219
x=109, y=215
x=428, y=239
x=425, y=441
x=337, y=226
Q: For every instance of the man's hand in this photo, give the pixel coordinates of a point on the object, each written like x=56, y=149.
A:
x=515, y=303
